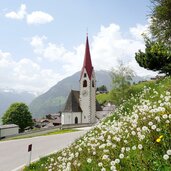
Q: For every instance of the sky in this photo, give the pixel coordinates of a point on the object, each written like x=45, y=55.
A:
x=42, y=42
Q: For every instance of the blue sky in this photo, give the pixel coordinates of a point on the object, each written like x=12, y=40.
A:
x=42, y=42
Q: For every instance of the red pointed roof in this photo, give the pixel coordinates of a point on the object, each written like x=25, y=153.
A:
x=87, y=61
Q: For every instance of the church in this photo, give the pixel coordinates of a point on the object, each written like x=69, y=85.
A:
x=81, y=106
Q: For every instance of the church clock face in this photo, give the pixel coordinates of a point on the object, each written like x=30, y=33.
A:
x=84, y=93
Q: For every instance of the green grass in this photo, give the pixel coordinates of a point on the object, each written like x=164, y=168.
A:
x=42, y=134
x=61, y=132
x=102, y=98
x=0, y=121
x=136, y=137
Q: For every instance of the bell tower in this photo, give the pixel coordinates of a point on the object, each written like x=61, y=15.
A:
x=88, y=88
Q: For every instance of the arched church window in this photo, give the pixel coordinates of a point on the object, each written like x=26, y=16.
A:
x=76, y=120
x=84, y=83
x=85, y=75
x=93, y=83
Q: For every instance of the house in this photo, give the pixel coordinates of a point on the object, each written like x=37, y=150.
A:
x=81, y=106
x=55, y=118
x=107, y=109
x=8, y=130
x=50, y=121
x=39, y=123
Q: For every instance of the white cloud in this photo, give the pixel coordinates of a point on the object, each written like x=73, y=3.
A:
x=4, y=55
x=38, y=43
x=139, y=30
x=71, y=60
x=35, y=17
x=5, y=60
x=25, y=74
x=53, y=52
x=29, y=74
x=19, y=15
x=108, y=47
x=39, y=17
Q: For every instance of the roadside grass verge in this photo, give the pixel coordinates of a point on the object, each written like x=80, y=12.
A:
x=53, y=132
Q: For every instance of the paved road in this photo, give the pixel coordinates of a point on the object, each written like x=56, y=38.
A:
x=14, y=153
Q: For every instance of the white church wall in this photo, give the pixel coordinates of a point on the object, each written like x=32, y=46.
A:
x=66, y=118
x=70, y=118
x=78, y=115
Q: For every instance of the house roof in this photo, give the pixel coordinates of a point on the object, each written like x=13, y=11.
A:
x=98, y=107
x=72, y=103
x=87, y=64
x=8, y=126
x=58, y=120
x=109, y=108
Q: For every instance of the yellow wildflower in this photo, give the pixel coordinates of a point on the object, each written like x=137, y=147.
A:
x=161, y=136
x=159, y=139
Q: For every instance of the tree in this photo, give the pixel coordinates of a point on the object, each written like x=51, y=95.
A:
x=121, y=80
x=102, y=88
x=161, y=21
x=18, y=113
x=157, y=57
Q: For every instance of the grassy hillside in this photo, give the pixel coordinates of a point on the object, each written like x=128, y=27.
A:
x=136, y=137
x=103, y=98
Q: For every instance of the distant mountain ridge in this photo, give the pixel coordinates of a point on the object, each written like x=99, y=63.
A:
x=9, y=96
x=54, y=99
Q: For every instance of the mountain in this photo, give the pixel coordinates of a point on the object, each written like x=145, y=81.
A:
x=54, y=99
x=9, y=96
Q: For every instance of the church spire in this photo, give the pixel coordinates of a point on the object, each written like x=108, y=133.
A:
x=87, y=60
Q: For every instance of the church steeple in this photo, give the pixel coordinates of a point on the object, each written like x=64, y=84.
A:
x=88, y=88
x=87, y=64
x=83, y=110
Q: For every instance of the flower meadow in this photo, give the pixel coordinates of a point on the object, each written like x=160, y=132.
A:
x=136, y=137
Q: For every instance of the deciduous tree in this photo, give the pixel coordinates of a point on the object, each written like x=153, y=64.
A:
x=121, y=80
x=102, y=88
x=18, y=113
